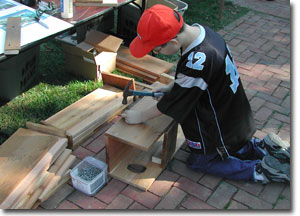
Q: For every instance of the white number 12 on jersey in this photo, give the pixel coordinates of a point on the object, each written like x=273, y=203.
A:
x=200, y=58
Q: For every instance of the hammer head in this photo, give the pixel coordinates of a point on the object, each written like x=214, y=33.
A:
x=127, y=92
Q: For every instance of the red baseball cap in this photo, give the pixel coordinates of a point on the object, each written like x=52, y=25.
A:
x=157, y=26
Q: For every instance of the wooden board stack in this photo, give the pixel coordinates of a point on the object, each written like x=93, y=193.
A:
x=33, y=166
x=148, y=68
x=81, y=119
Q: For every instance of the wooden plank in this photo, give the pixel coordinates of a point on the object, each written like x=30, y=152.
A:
x=136, y=72
x=25, y=198
x=46, y=129
x=26, y=161
x=149, y=64
x=34, y=197
x=110, y=106
x=13, y=36
x=54, y=181
x=102, y=41
x=166, y=78
x=64, y=179
x=60, y=160
x=140, y=136
x=73, y=114
x=169, y=144
x=140, y=180
x=117, y=80
x=157, y=156
x=115, y=151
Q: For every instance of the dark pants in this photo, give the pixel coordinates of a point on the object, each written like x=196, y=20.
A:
x=239, y=166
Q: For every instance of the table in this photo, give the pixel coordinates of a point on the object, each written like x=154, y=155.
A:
x=81, y=17
x=18, y=71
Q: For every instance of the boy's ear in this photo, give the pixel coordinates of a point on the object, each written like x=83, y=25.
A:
x=174, y=41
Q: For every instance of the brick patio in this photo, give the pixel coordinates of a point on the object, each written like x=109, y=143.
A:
x=260, y=43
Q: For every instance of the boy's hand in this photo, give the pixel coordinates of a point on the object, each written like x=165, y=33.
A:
x=165, y=88
x=132, y=116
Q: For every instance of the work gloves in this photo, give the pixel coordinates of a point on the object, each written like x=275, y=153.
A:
x=140, y=116
x=132, y=116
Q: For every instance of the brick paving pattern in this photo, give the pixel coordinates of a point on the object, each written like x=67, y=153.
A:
x=260, y=43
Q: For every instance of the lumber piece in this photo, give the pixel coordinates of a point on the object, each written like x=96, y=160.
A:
x=143, y=85
x=65, y=178
x=165, y=78
x=60, y=160
x=169, y=144
x=102, y=41
x=140, y=180
x=21, y=202
x=34, y=197
x=23, y=157
x=76, y=112
x=46, y=129
x=13, y=36
x=117, y=80
x=82, y=118
x=112, y=104
x=136, y=72
x=149, y=64
x=158, y=155
x=140, y=136
x=54, y=181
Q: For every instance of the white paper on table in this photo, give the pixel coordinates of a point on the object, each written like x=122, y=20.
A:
x=31, y=30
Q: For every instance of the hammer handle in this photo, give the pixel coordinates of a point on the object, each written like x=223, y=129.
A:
x=143, y=93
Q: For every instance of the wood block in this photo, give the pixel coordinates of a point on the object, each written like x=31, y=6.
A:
x=13, y=36
x=107, y=61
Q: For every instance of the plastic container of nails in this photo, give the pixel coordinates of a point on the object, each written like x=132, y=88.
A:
x=89, y=176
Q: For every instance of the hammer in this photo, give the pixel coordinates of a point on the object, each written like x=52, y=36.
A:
x=128, y=92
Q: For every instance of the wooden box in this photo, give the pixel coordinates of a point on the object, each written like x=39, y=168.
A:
x=136, y=144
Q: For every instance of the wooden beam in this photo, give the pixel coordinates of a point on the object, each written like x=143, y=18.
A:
x=117, y=80
x=13, y=36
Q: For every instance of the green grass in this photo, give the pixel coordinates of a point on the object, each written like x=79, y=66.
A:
x=56, y=89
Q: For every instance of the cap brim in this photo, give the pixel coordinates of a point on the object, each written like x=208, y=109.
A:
x=138, y=48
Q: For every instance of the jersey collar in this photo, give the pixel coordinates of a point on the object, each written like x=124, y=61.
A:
x=198, y=41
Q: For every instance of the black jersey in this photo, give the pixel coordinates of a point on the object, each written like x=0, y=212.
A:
x=208, y=98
